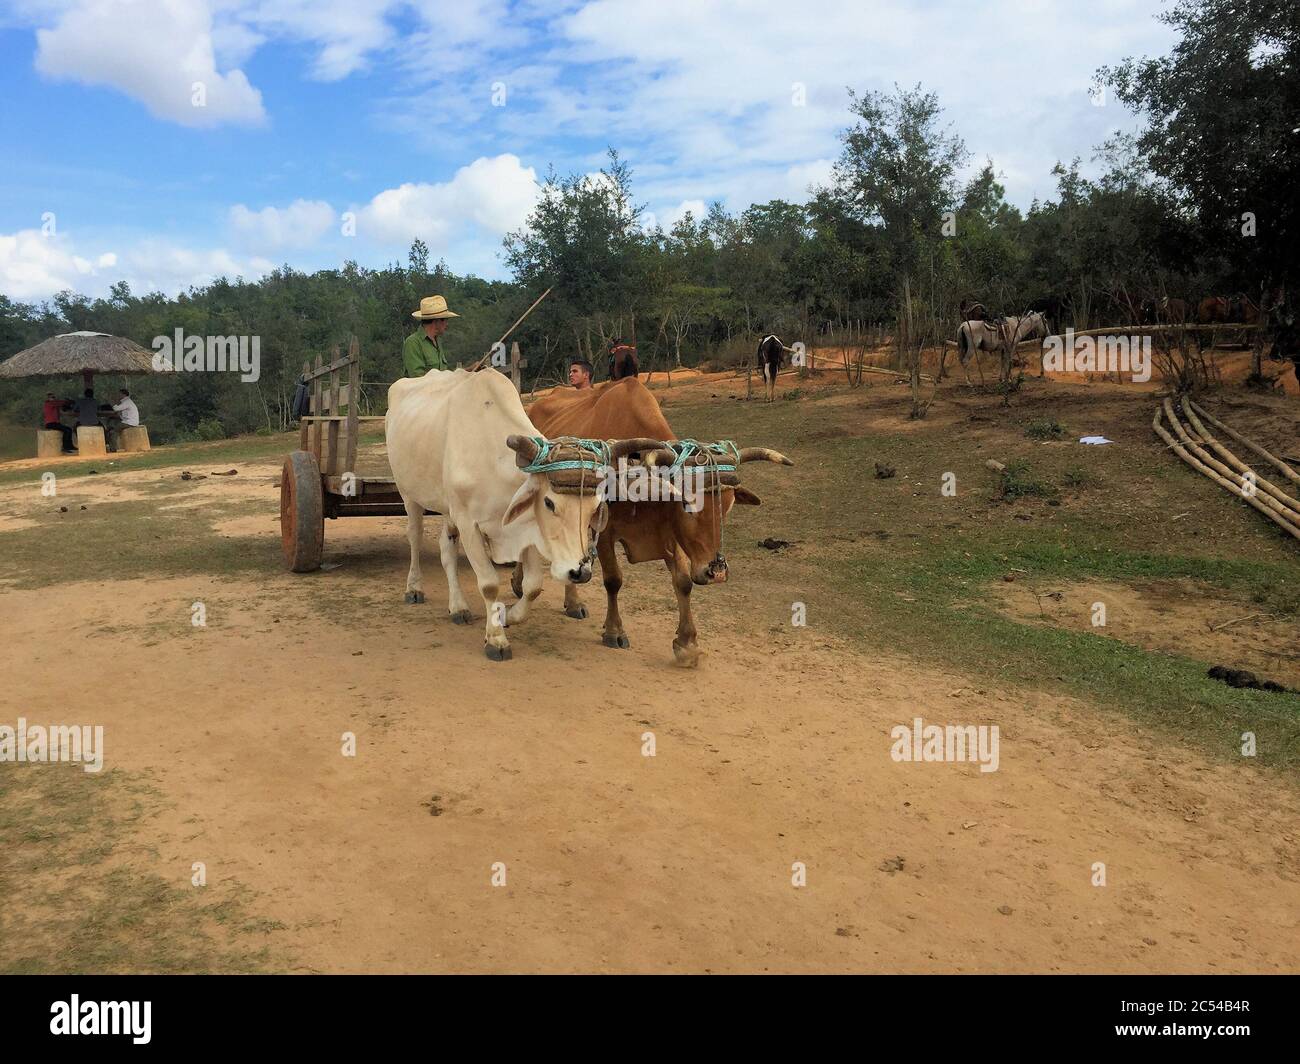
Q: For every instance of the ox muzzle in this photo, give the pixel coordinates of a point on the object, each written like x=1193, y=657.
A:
x=713, y=573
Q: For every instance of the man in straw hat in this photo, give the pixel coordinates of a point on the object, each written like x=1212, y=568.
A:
x=422, y=351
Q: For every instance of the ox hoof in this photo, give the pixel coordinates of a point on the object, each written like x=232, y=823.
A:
x=414, y=597
x=461, y=617
x=493, y=653
x=685, y=657
x=578, y=612
x=620, y=641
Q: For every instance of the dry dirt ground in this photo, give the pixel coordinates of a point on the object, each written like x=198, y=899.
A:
x=776, y=751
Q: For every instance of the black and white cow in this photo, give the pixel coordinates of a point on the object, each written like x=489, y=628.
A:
x=771, y=352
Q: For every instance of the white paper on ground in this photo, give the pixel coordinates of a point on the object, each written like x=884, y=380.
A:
x=1094, y=439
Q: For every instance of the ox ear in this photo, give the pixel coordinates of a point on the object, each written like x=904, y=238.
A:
x=523, y=500
x=747, y=498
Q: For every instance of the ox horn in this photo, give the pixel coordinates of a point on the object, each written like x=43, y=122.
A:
x=763, y=454
x=525, y=449
x=622, y=448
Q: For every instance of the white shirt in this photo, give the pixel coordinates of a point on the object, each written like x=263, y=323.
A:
x=128, y=412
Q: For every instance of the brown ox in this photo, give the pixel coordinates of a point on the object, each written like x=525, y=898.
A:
x=689, y=544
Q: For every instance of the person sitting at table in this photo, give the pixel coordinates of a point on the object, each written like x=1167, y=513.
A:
x=127, y=416
x=88, y=410
x=53, y=420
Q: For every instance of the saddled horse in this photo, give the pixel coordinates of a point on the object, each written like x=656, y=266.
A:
x=976, y=335
x=1030, y=326
x=771, y=352
x=998, y=335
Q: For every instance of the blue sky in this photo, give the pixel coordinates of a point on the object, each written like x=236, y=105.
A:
x=312, y=110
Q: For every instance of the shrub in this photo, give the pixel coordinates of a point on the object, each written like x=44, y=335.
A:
x=1045, y=429
x=209, y=429
x=1017, y=481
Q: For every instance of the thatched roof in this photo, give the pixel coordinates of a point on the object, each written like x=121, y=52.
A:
x=79, y=352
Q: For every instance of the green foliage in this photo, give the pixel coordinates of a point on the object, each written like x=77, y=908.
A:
x=1018, y=481
x=1045, y=429
x=1221, y=116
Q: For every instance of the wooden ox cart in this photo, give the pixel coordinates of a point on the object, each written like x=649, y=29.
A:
x=321, y=478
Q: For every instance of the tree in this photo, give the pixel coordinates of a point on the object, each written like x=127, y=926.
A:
x=898, y=169
x=1221, y=127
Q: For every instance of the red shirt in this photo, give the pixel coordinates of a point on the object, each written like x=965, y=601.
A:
x=53, y=407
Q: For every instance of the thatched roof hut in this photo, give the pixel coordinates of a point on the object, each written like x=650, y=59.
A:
x=86, y=353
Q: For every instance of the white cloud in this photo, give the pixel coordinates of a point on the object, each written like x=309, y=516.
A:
x=299, y=225
x=34, y=266
x=739, y=92
x=491, y=195
x=670, y=217
x=155, y=51
x=345, y=33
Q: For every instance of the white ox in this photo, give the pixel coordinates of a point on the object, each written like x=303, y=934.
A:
x=456, y=441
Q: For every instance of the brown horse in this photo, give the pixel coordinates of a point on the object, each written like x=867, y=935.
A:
x=1212, y=310
x=1243, y=309
x=1165, y=311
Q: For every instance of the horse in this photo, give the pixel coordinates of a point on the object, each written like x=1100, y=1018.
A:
x=1243, y=309
x=1032, y=326
x=1166, y=311
x=771, y=353
x=1212, y=310
x=1000, y=335
x=977, y=335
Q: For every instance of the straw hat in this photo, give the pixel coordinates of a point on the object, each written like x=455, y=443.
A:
x=432, y=307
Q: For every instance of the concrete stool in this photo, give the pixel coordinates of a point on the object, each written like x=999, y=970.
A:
x=90, y=440
x=133, y=438
x=49, y=443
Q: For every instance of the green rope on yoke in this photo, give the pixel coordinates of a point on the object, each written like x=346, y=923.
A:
x=598, y=448
x=725, y=449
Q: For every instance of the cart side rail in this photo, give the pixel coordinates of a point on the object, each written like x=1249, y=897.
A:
x=333, y=386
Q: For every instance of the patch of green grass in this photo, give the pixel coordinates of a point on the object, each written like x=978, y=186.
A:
x=1017, y=482
x=1047, y=428
x=1078, y=477
x=82, y=894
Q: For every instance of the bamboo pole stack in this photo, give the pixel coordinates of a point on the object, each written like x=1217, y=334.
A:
x=1204, y=452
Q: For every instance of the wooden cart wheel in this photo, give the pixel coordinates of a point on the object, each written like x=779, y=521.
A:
x=302, y=512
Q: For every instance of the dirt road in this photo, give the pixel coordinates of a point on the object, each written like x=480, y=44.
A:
x=776, y=751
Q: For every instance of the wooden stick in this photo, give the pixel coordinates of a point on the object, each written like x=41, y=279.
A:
x=1201, y=467
x=1233, y=476
x=894, y=372
x=1229, y=624
x=1287, y=471
x=1234, y=461
x=479, y=364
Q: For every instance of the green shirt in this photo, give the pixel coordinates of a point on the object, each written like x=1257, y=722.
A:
x=420, y=354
